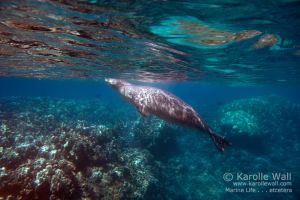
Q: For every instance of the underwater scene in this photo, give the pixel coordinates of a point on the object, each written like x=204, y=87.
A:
x=154, y=100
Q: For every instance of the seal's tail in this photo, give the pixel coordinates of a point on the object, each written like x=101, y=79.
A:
x=219, y=140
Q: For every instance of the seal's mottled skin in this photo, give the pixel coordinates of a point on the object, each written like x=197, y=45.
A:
x=150, y=100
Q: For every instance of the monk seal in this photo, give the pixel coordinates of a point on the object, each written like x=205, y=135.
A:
x=150, y=100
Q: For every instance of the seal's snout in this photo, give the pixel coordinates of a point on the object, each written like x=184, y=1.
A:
x=110, y=81
x=116, y=83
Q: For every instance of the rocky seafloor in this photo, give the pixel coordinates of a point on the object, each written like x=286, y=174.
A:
x=57, y=149
x=87, y=149
x=264, y=132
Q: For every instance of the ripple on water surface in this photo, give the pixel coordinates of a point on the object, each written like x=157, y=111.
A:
x=248, y=44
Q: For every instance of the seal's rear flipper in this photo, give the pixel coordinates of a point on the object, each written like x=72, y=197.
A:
x=219, y=141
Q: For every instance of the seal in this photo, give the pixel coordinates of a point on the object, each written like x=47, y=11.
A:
x=150, y=100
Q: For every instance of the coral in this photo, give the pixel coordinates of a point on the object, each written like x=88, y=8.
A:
x=154, y=127
x=240, y=120
x=258, y=116
x=48, y=152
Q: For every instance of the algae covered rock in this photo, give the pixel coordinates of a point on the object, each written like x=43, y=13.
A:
x=147, y=130
x=259, y=116
x=240, y=121
x=49, y=152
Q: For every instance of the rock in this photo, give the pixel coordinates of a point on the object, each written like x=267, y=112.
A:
x=146, y=131
x=256, y=123
x=55, y=154
x=241, y=121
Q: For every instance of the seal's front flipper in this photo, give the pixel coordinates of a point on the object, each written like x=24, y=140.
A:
x=142, y=111
x=219, y=141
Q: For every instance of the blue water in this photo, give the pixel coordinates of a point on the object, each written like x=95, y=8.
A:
x=67, y=134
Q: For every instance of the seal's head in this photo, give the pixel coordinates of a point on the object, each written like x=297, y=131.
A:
x=116, y=83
